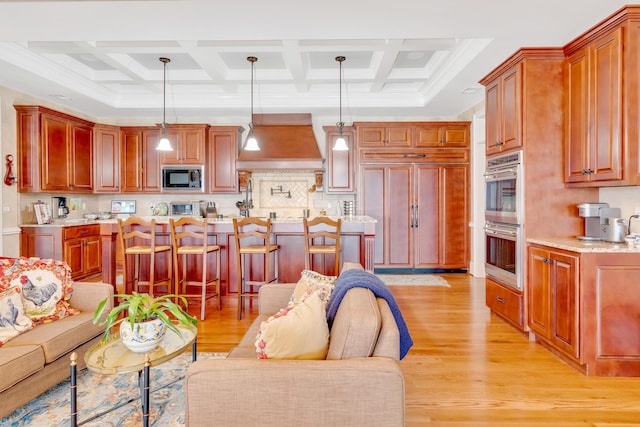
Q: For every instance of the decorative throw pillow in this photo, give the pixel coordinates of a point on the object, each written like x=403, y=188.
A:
x=298, y=332
x=45, y=285
x=309, y=283
x=13, y=321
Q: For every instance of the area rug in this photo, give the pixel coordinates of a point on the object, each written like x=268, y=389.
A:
x=96, y=393
x=413, y=279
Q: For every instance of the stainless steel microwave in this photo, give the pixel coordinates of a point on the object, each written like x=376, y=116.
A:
x=182, y=178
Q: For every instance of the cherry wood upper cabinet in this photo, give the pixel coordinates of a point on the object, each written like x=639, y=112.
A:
x=188, y=143
x=140, y=161
x=593, y=111
x=504, y=111
x=378, y=135
x=55, y=151
x=107, y=159
x=222, y=152
x=340, y=174
x=602, y=98
x=442, y=135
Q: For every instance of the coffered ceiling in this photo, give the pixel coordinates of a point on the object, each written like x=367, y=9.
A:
x=407, y=58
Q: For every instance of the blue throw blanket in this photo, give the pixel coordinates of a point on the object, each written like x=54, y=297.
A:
x=363, y=279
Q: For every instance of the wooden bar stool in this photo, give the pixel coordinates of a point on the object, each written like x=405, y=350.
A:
x=322, y=237
x=253, y=237
x=137, y=237
x=190, y=238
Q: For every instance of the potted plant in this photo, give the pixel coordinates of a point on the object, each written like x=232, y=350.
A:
x=144, y=319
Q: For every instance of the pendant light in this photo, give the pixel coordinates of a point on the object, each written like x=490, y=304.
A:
x=252, y=143
x=164, y=144
x=341, y=143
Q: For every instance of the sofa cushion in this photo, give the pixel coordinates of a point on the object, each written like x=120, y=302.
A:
x=311, y=282
x=46, y=287
x=17, y=363
x=355, y=329
x=298, y=332
x=13, y=321
x=58, y=338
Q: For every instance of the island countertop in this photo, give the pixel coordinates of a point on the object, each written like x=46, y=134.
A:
x=574, y=244
x=358, y=237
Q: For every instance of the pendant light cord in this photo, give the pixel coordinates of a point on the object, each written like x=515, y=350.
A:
x=340, y=60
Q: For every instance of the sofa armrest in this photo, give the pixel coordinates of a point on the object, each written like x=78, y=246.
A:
x=87, y=295
x=240, y=392
x=274, y=296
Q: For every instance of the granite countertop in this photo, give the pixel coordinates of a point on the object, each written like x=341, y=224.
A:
x=227, y=219
x=575, y=245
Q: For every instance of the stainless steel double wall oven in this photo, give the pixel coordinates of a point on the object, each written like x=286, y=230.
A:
x=504, y=219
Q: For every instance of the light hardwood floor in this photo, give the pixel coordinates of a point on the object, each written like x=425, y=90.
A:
x=468, y=368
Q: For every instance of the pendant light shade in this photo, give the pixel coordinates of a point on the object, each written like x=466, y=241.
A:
x=341, y=143
x=164, y=144
x=251, y=144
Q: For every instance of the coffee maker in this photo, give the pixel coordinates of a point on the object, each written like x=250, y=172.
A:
x=592, y=213
x=60, y=208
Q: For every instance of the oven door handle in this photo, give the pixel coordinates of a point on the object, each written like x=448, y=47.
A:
x=500, y=233
x=502, y=174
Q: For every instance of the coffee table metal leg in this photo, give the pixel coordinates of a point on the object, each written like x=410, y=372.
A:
x=145, y=399
x=74, y=409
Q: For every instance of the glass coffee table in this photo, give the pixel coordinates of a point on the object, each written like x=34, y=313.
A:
x=112, y=357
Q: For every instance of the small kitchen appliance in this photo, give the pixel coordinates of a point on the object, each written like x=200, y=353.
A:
x=591, y=214
x=188, y=208
x=612, y=227
x=60, y=208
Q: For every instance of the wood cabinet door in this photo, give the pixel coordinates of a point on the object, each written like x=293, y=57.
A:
x=429, y=135
x=371, y=136
x=372, y=201
x=455, y=136
x=107, y=159
x=340, y=173
x=54, y=153
x=511, y=109
x=131, y=175
x=81, y=158
x=539, y=292
x=74, y=257
x=606, y=132
x=398, y=216
x=564, y=297
x=27, y=161
x=576, y=150
x=428, y=216
x=493, y=116
x=453, y=201
x=151, y=180
x=222, y=152
x=92, y=255
x=192, y=146
x=399, y=136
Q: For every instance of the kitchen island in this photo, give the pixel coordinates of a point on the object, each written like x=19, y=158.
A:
x=91, y=246
x=584, y=303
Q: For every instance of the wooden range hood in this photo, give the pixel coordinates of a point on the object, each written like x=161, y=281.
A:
x=286, y=141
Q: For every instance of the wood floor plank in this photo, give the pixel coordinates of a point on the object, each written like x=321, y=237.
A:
x=468, y=368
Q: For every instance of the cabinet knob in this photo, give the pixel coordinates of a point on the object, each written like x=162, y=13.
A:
x=501, y=300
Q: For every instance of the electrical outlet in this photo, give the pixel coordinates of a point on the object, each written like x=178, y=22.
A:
x=6, y=208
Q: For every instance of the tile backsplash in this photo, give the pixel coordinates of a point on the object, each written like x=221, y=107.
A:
x=271, y=190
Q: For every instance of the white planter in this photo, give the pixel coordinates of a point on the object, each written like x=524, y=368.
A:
x=145, y=336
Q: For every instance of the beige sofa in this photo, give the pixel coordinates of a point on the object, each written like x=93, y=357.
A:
x=359, y=384
x=38, y=359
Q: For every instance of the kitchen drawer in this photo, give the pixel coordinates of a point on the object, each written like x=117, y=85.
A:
x=80, y=231
x=504, y=302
